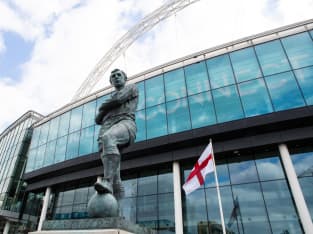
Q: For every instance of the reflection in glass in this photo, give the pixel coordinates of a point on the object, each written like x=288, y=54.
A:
x=49, y=154
x=31, y=160
x=201, y=110
x=242, y=172
x=245, y=64
x=272, y=57
x=141, y=125
x=147, y=211
x=165, y=181
x=194, y=212
x=44, y=131
x=212, y=206
x=305, y=79
x=281, y=211
x=147, y=183
x=141, y=100
x=222, y=175
x=53, y=129
x=252, y=209
x=178, y=116
x=166, y=216
x=64, y=124
x=128, y=208
x=40, y=156
x=269, y=168
x=227, y=104
x=35, y=138
x=154, y=91
x=156, y=121
x=196, y=78
x=255, y=99
x=175, y=86
x=76, y=117
x=220, y=71
x=130, y=185
x=88, y=118
x=86, y=141
x=306, y=184
x=299, y=49
x=72, y=145
x=60, y=149
x=284, y=91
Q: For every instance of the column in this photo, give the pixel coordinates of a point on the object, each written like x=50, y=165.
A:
x=6, y=227
x=177, y=199
x=44, y=208
x=296, y=189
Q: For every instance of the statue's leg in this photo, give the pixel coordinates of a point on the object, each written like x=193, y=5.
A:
x=117, y=182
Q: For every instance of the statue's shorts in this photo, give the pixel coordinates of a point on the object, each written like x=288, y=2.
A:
x=113, y=136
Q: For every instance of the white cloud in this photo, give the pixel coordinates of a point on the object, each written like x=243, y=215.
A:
x=2, y=45
x=71, y=36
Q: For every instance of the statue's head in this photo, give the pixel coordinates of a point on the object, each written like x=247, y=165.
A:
x=118, y=78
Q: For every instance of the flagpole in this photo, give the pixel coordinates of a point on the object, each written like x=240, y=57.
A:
x=218, y=191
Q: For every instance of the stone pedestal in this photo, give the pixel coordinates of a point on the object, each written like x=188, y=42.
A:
x=115, y=225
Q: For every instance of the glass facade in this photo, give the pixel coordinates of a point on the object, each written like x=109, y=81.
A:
x=149, y=200
x=255, y=197
x=12, y=161
x=273, y=76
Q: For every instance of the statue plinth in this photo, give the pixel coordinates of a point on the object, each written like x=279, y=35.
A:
x=110, y=225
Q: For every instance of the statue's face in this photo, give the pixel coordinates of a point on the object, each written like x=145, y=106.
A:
x=117, y=79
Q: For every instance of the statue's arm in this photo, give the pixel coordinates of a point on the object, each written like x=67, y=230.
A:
x=128, y=93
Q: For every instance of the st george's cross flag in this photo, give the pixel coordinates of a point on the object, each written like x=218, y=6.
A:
x=203, y=166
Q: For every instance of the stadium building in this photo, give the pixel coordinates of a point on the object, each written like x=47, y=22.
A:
x=253, y=97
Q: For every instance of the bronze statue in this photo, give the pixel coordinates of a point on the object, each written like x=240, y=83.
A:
x=118, y=129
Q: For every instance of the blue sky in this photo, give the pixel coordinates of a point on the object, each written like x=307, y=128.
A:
x=17, y=52
x=47, y=48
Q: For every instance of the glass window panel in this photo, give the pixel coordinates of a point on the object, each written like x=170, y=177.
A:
x=147, y=183
x=147, y=211
x=212, y=208
x=255, y=98
x=156, y=121
x=128, y=208
x=86, y=141
x=222, y=175
x=89, y=111
x=231, y=210
x=272, y=57
x=165, y=181
x=305, y=79
x=141, y=100
x=44, y=131
x=40, y=157
x=81, y=195
x=245, y=64
x=280, y=208
x=79, y=211
x=284, y=91
x=31, y=157
x=201, y=110
x=307, y=190
x=49, y=155
x=270, y=168
x=220, y=71
x=76, y=118
x=53, y=130
x=194, y=211
x=72, y=145
x=178, y=116
x=64, y=124
x=251, y=209
x=154, y=91
x=196, y=78
x=242, y=172
x=227, y=104
x=299, y=49
x=311, y=32
x=60, y=149
x=68, y=197
x=166, y=213
x=175, y=86
x=303, y=163
x=141, y=125
x=130, y=185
